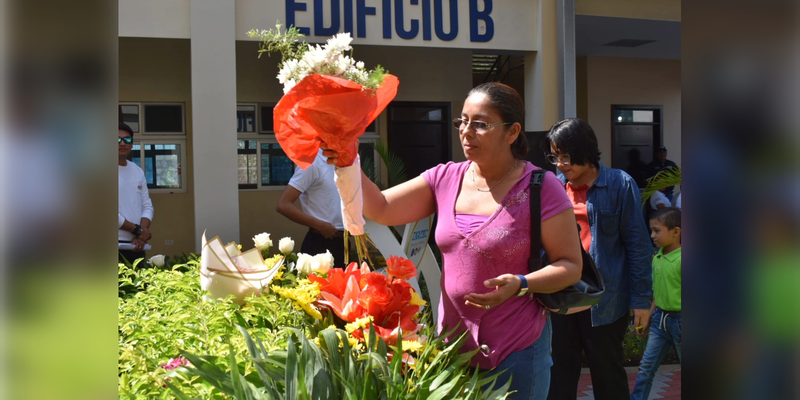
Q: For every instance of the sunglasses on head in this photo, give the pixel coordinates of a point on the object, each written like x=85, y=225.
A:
x=127, y=140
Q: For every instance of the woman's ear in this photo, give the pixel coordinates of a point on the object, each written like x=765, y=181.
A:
x=514, y=132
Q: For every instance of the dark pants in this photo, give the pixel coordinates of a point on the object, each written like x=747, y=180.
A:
x=314, y=243
x=603, y=348
x=129, y=256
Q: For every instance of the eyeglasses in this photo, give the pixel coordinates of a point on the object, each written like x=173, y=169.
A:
x=127, y=140
x=554, y=159
x=480, y=126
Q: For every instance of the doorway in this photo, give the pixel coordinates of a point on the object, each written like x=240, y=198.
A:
x=419, y=133
x=637, y=132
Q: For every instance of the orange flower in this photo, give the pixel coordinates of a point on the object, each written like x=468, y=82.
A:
x=399, y=267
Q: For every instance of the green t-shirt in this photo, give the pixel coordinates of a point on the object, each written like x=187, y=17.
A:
x=667, y=280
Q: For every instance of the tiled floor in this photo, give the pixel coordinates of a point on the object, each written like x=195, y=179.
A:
x=666, y=385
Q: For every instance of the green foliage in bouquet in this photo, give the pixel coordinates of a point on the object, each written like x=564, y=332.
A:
x=289, y=43
x=161, y=312
x=663, y=179
x=328, y=368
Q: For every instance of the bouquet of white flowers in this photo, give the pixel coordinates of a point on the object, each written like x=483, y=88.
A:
x=328, y=97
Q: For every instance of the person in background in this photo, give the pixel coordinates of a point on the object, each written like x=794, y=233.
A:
x=678, y=201
x=484, y=233
x=322, y=209
x=660, y=163
x=135, y=206
x=608, y=208
x=666, y=306
x=659, y=200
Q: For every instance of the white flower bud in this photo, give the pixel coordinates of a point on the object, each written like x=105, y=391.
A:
x=325, y=262
x=286, y=245
x=157, y=260
x=262, y=241
x=305, y=263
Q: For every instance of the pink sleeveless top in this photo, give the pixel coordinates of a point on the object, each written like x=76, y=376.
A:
x=500, y=245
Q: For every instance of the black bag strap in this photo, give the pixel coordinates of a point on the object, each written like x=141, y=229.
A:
x=535, y=260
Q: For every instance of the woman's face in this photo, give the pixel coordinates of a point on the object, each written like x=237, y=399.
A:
x=495, y=141
x=571, y=172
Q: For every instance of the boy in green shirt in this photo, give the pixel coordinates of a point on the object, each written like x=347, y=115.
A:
x=665, y=326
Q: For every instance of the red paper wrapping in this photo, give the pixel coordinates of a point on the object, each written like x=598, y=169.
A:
x=334, y=110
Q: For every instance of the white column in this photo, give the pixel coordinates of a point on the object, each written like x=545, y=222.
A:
x=534, y=91
x=567, y=105
x=216, y=190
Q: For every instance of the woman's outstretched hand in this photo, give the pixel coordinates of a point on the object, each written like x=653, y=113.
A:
x=505, y=287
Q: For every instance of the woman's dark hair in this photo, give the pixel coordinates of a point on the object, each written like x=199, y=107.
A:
x=668, y=216
x=508, y=103
x=575, y=137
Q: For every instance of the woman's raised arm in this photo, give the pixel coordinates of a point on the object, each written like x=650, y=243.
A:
x=407, y=202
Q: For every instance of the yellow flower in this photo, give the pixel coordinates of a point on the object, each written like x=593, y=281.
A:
x=238, y=246
x=302, y=296
x=359, y=323
x=412, y=346
x=415, y=299
x=435, y=352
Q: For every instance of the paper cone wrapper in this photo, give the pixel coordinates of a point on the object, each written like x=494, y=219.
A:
x=220, y=276
x=348, y=181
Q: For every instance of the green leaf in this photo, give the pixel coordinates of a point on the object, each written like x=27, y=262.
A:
x=291, y=377
x=663, y=179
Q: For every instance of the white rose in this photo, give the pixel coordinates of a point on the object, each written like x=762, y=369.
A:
x=157, y=260
x=305, y=263
x=286, y=245
x=262, y=241
x=325, y=261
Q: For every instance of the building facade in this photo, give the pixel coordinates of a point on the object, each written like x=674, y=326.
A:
x=192, y=86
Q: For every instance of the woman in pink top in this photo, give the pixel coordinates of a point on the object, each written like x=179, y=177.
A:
x=484, y=235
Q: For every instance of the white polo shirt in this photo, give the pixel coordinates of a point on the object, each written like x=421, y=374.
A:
x=134, y=198
x=659, y=198
x=319, y=196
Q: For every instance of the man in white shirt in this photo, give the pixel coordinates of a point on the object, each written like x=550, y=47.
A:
x=322, y=210
x=135, y=207
x=659, y=200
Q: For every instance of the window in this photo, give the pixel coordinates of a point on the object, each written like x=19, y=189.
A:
x=262, y=162
x=245, y=118
x=161, y=163
x=265, y=111
x=130, y=115
x=163, y=118
x=276, y=168
x=159, y=146
x=248, y=164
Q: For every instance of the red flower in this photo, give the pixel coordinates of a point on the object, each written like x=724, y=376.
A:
x=399, y=267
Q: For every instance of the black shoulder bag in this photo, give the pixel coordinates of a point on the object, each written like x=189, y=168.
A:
x=589, y=290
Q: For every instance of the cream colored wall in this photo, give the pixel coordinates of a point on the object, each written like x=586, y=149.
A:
x=436, y=75
x=667, y=10
x=632, y=81
x=153, y=70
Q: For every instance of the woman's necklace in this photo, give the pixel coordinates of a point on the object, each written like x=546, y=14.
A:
x=497, y=184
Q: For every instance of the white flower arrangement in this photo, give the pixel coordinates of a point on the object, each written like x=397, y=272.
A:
x=301, y=60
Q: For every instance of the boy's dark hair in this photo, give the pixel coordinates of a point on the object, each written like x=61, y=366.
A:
x=124, y=127
x=575, y=137
x=508, y=103
x=669, y=216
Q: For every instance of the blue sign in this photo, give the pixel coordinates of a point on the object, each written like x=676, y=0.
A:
x=433, y=18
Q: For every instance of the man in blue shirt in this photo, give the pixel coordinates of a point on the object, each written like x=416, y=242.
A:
x=660, y=163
